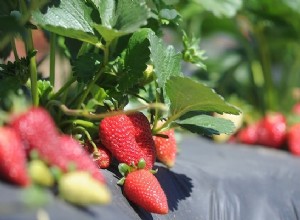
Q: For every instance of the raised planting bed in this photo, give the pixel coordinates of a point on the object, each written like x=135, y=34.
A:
x=208, y=181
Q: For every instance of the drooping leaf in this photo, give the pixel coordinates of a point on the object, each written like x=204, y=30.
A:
x=11, y=23
x=187, y=95
x=125, y=17
x=206, y=125
x=70, y=18
x=221, y=8
x=86, y=66
x=165, y=60
x=131, y=14
x=136, y=57
x=107, y=10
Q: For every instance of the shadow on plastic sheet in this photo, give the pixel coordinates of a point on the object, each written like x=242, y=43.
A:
x=176, y=186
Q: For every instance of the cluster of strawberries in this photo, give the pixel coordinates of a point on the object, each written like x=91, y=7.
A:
x=273, y=131
x=127, y=138
x=35, y=131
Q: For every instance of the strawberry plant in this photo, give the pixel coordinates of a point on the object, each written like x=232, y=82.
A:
x=126, y=84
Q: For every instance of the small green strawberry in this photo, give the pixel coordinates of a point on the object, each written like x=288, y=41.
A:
x=40, y=173
x=81, y=188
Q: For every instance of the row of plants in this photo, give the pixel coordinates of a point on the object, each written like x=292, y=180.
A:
x=252, y=50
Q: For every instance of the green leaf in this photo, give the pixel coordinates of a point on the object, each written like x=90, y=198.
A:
x=86, y=66
x=206, y=125
x=70, y=18
x=98, y=95
x=107, y=33
x=107, y=10
x=221, y=8
x=121, y=19
x=168, y=14
x=131, y=15
x=165, y=60
x=136, y=57
x=18, y=69
x=170, y=2
x=9, y=84
x=187, y=95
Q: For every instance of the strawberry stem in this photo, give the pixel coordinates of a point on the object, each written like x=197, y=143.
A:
x=105, y=49
x=52, y=58
x=90, y=115
x=64, y=88
x=13, y=46
x=90, y=140
x=86, y=124
x=32, y=61
x=157, y=99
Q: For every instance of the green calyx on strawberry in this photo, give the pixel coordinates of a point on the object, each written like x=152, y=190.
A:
x=40, y=173
x=128, y=138
x=142, y=188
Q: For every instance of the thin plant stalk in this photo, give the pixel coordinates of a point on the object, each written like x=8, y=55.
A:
x=52, y=58
x=32, y=61
x=13, y=46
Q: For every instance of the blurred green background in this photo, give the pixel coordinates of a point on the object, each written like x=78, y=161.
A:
x=252, y=49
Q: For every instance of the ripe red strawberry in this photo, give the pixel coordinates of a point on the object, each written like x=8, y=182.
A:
x=166, y=148
x=296, y=109
x=293, y=139
x=12, y=157
x=248, y=134
x=272, y=130
x=72, y=152
x=128, y=138
x=142, y=188
x=104, y=159
x=143, y=137
x=101, y=156
x=37, y=129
